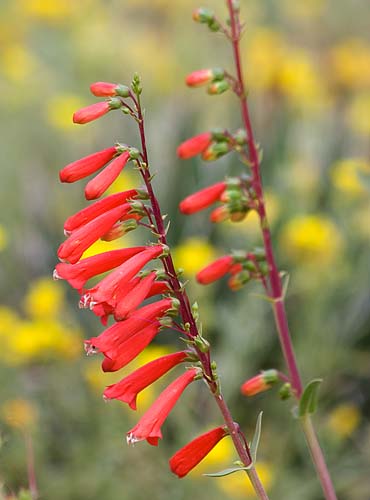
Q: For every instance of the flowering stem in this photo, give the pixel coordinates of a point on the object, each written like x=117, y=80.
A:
x=189, y=320
x=275, y=290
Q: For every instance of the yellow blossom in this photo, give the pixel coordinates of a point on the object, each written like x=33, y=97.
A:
x=44, y=299
x=60, y=109
x=358, y=115
x=17, y=63
x=128, y=180
x=344, y=420
x=237, y=485
x=3, y=238
x=52, y=10
x=346, y=176
x=193, y=254
x=350, y=63
x=312, y=239
x=19, y=413
x=101, y=246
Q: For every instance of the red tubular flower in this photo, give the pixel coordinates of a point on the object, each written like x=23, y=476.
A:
x=202, y=199
x=128, y=388
x=199, y=77
x=130, y=301
x=92, y=112
x=103, y=89
x=149, y=426
x=100, y=207
x=220, y=214
x=99, y=184
x=131, y=348
x=85, y=166
x=108, y=287
x=78, y=274
x=215, y=270
x=108, y=340
x=81, y=239
x=194, y=146
x=184, y=460
x=259, y=383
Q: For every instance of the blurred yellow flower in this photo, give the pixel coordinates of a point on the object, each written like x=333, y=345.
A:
x=3, y=238
x=129, y=179
x=346, y=176
x=44, y=299
x=60, y=109
x=193, y=254
x=17, y=63
x=101, y=246
x=344, y=420
x=350, y=63
x=361, y=219
x=8, y=320
x=42, y=340
x=307, y=10
x=52, y=10
x=19, y=413
x=359, y=113
x=313, y=239
x=237, y=485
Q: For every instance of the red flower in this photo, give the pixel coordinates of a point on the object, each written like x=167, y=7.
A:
x=184, y=460
x=194, y=146
x=199, y=77
x=128, y=388
x=99, y=184
x=259, y=383
x=108, y=288
x=85, y=166
x=103, y=89
x=92, y=112
x=108, y=341
x=149, y=426
x=78, y=274
x=220, y=214
x=81, y=239
x=126, y=303
x=131, y=348
x=100, y=207
x=215, y=270
x=202, y=199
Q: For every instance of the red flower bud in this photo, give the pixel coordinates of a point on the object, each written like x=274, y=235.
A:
x=194, y=146
x=261, y=382
x=85, y=166
x=218, y=87
x=200, y=77
x=128, y=388
x=215, y=270
x=92, y=112
x=184, y=460
x=220, y=214
x=149, y=426
x=202, y=199
x=100, y=183
x=103, y=89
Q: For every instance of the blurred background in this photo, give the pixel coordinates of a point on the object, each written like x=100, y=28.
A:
x=307, y=65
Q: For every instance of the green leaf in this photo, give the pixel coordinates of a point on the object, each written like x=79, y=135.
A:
x=256, y=438
x=226, y=472
x=308, y=401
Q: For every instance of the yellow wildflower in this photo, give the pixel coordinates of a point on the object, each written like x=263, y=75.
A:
x=346, y=176
x=128, y=180
x=60, y=109
x=44, y=299
x=3, y=238
x=49, y=10
x=344, y=420
x=17, y=63
x=193, y=254
x=237, y=485
x=311, y=238
x=101, y=246
x=19, y=413
x=359, y=114
x=350, y=63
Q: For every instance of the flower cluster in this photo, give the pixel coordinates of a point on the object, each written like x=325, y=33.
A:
x=123, y=279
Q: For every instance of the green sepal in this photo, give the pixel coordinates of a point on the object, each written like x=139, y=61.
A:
x=227, y=472
x=308, y=401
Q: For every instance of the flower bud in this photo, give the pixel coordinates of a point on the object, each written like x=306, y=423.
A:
x=202, y=15
x=260, y=383
x=219, y=214
x=202, y=199
x=203, y=76
x=240, y=137
x=215, y=151
x=105, y=89
x=218, y=87
x=238, y=280
x=92, y=112
x=194, y=146
x=120, y=229
x=215, y=270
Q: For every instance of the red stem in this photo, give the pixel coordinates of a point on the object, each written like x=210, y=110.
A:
x=276, y=291
x=187, y=317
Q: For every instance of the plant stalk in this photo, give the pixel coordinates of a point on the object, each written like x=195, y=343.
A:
x=188, y=318
x=275, y=290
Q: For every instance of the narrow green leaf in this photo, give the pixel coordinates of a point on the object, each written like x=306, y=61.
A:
x=308, y=402
x=226, y=472
x=256, y=438
x=260, y=296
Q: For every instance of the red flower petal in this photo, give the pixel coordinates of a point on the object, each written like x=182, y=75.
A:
x=85, y=166
x=99, y=184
